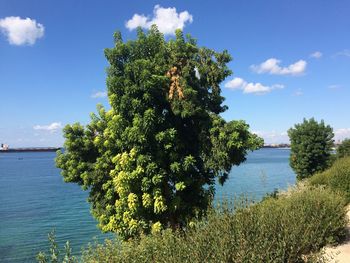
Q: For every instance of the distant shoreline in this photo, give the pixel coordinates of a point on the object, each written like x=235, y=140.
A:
x=280, y=146
x=54, y=149
x=32, y=149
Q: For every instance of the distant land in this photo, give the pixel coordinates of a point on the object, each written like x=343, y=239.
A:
x=287, y=145
x=5, y=148
x=279, y=145
x=30, y=149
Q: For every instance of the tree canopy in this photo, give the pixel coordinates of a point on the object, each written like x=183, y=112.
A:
x=311, y=147
x=152, y=159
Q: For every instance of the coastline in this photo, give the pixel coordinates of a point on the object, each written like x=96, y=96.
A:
x=33, y=149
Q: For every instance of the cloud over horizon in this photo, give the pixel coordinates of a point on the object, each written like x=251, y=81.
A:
x=272, y=66
x=273, y=137
x=250, y=87
x=298, y=92
x=341, y=134
x=20, y=31
x=316, y=54
x=282, y=137
x=53, y=127
x=166, y=19
x=334, y=86
x=343, y=53
x=99, y=94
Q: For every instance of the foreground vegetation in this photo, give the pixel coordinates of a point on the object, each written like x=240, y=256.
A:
x=289, y=227
x=282, y=229
x=336, y=178
x=276, y=230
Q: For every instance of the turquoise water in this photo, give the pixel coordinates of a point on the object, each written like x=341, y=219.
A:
x=34, y=200
x=263, y=172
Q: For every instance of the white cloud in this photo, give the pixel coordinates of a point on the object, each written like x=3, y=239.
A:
x=299, y=92
x=53, y=127
x=256, y=88
x=99, y=94
x=334, y=86
x=272, y=66
x=341, y=134
x=343, y=53
x=21, y=31
x=316, y=54
x=250, y=87
x=273, y=137
x=166, y=19
x=235, y=83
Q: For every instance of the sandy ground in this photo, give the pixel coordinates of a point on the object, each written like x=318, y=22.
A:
x=341, y=253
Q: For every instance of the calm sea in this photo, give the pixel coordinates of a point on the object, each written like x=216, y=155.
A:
x=34, y=200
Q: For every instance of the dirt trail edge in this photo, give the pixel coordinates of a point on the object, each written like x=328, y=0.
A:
x=341, y=253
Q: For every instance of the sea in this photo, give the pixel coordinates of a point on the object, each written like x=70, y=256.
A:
x=34, y=200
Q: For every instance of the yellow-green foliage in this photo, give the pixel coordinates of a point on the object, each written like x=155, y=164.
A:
x=152, y=160
x=275, y=230
x=336, y=177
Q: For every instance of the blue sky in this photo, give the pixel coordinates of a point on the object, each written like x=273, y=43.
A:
x=291, y=60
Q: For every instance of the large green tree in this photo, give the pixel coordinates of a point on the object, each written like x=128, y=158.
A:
x=311, y=147
x=151, y=160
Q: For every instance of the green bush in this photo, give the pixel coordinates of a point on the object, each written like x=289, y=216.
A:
x=343, y=149
x=337, y=177
x=319, y=179
x=311, y=145
x=282, y=229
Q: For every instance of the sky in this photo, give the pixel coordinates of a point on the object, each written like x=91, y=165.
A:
x=291, y=60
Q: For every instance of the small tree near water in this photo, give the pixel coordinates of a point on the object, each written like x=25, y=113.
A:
x=151, y=160
x=311, y=147
x=343, y=149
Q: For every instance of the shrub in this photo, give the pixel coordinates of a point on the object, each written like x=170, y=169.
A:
x=311, y=145
x=319, y=179
x=54, y=255
x=343, y=149
x=337, y=177
x=282, y=229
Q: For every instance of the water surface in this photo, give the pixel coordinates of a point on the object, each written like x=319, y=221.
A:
x=264, y=171
x=34, y=199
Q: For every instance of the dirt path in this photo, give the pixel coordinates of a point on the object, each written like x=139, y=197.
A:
x=341, y=253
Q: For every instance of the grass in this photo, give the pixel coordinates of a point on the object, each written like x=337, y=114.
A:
x=336, y=177
x=283, y=229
